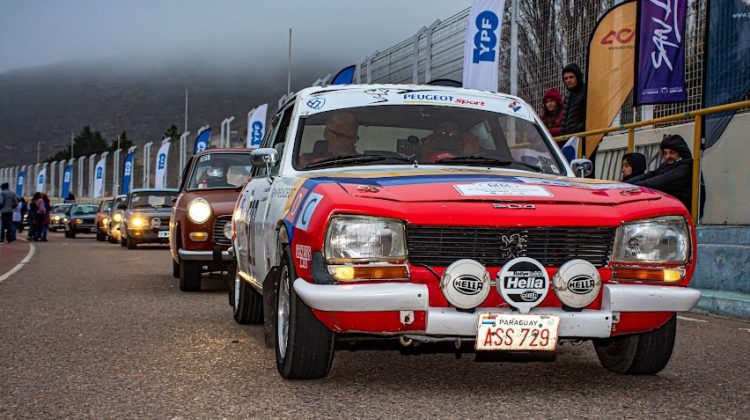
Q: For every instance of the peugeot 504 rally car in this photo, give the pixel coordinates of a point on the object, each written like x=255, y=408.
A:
x=425, y=213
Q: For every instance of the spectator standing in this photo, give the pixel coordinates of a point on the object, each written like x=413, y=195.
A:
x=23, y=209
x=633, y=165
x=574, y=105
x=552, y=112
x=8, y=203
x=31, y=217
x=46, y=219
x=675, y=175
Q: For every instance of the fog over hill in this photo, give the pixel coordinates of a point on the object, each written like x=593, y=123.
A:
x=148, y=94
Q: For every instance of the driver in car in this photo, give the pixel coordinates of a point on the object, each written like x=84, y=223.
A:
x=216, y=175
x=340, y=138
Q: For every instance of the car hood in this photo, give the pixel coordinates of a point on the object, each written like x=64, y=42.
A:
x=456, y=185
x=221, y=201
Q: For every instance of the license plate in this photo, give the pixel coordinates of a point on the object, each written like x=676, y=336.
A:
x=164, y=234
x=496, y=331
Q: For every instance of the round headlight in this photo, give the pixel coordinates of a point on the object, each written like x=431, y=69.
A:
x=577, y=283
x=199, y=211
x=116, y=217
x=136, y=222
x=228, y=230
x=465, y=284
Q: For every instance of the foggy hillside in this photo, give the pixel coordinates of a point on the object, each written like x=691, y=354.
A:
x=47, y=103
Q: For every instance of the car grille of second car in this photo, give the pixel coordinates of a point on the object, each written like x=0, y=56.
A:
x=219, y=224
x=552, y=246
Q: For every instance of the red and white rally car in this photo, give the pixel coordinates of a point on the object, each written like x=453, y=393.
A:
x=427, y=213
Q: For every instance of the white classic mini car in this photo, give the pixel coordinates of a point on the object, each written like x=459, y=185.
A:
x=423, y=214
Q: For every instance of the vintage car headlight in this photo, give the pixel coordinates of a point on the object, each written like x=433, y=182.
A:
x=199, y=211
x=659, y=240
x=365, y=238
x=136, y=222
x=117, y=217
x=55, y=219
x=228, y=230
x=78, y=221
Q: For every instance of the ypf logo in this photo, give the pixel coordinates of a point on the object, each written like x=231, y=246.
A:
x=256, y=132
x=200, y=147
x=99, y=172
x=622, y=36
x=162, y=161
x=66, y=176
x=485, y=40
x=128, y=168
x=41, y=179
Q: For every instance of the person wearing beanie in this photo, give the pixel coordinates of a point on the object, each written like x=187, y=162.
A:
x=675, y=175
x=552, y=111
x=633, y=165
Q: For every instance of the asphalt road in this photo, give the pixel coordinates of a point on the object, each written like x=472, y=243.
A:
x=92, y=330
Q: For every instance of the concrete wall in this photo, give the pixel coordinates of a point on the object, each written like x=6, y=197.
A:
x=725, y=166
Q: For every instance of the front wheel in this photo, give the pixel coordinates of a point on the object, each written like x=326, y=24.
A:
x=247, y=303
x=638, y=354
x=190, y=276
x=130, y=243
x=304, y=346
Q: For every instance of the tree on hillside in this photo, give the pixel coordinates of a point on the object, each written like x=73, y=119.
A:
x=172, y=133
x=86, y=143
x=124, y=142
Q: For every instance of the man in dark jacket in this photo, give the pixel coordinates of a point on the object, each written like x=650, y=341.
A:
x=8, y=202
x=675, y=175
x=574, y=106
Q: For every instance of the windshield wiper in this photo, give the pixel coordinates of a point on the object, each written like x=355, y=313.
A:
x=484, y=160
x=355, y=159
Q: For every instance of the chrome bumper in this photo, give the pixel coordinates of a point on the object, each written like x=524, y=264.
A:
x=202, y=255
x=450, y=322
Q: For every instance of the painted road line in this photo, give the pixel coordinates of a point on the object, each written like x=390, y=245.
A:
x=32, y=250
x=684, y=318
x=745, y=329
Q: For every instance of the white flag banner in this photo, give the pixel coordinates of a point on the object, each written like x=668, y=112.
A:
x=160, y=180
x=256, y=126
x=99, y=174
x=482, y=49
x=41, y=180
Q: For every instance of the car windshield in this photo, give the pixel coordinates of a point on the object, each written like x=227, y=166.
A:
x=220, y=170
x=60, y=208
x=116, y=203
x=106, y=206
x=151, y=199
x=83, y=210
x=422, y=134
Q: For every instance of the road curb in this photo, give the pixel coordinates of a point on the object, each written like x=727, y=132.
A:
x=725, y=303
x=24, y=261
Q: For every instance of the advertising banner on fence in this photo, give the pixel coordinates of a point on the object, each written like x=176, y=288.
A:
x=99, y=174
x=127, y=172
x=41, y=180
x=20, y=182
x=610, y=69
x=727, y=61
x=201, y=142
x=256, y=126
x=67, y=180
x=482, y=47
x=160, y=179
x=660, y=74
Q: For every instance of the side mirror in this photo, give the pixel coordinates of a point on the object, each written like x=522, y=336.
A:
x=264, y=158
x=582, y=167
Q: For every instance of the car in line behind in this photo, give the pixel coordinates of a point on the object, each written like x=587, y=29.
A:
x=146, y=217
x=80, y=218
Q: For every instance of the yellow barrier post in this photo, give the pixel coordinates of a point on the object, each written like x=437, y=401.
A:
x=631, y=140
x=697, y=142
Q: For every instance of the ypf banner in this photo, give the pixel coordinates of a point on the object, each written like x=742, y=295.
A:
x=19, y=184
x=661, y=52
x=41, y=180
x=127, y=172
x=99, y=174
x=203, y=139
x=482, y=47
x=256, y=126
x=610, y=69
x=160, y=181
x=67, y=180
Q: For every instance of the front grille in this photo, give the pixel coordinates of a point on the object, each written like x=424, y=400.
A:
x=552, y=246
x=219, y=223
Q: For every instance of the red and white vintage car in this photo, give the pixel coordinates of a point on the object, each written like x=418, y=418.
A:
x=426, y=214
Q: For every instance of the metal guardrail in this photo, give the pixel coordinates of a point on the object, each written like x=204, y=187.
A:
x=696, y=115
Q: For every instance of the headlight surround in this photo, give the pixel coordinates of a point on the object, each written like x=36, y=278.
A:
x=661, y=240
x=199, y=211
x=365, y=238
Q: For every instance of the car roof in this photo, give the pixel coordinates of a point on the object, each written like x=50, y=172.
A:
x=318, y=90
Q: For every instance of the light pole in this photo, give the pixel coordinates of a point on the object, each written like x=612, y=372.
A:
x=183, y=145
x=146, y=163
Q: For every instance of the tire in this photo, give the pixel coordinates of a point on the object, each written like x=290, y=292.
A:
x=175, y=269
x=638, y=354
x=130, y=243
x=247, y=303
x=111, y=239
x=190, y=276
x=123, y=241
x=304, y=346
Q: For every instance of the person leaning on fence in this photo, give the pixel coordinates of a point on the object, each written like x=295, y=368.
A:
x=574, y=105
x=8, y=203
x=675, y=175
x=633, y=165
x=552, y=112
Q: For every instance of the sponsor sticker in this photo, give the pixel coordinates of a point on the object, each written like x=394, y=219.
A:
x=379, y=95
x=502, y=189
x=308, y=210
x=204, y=158
x=421, y=98
x=304, y=254
x=316, y=103
x=523, y=282
x=515, y=106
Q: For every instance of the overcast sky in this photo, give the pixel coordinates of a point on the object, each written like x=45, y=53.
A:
x=39, y=32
